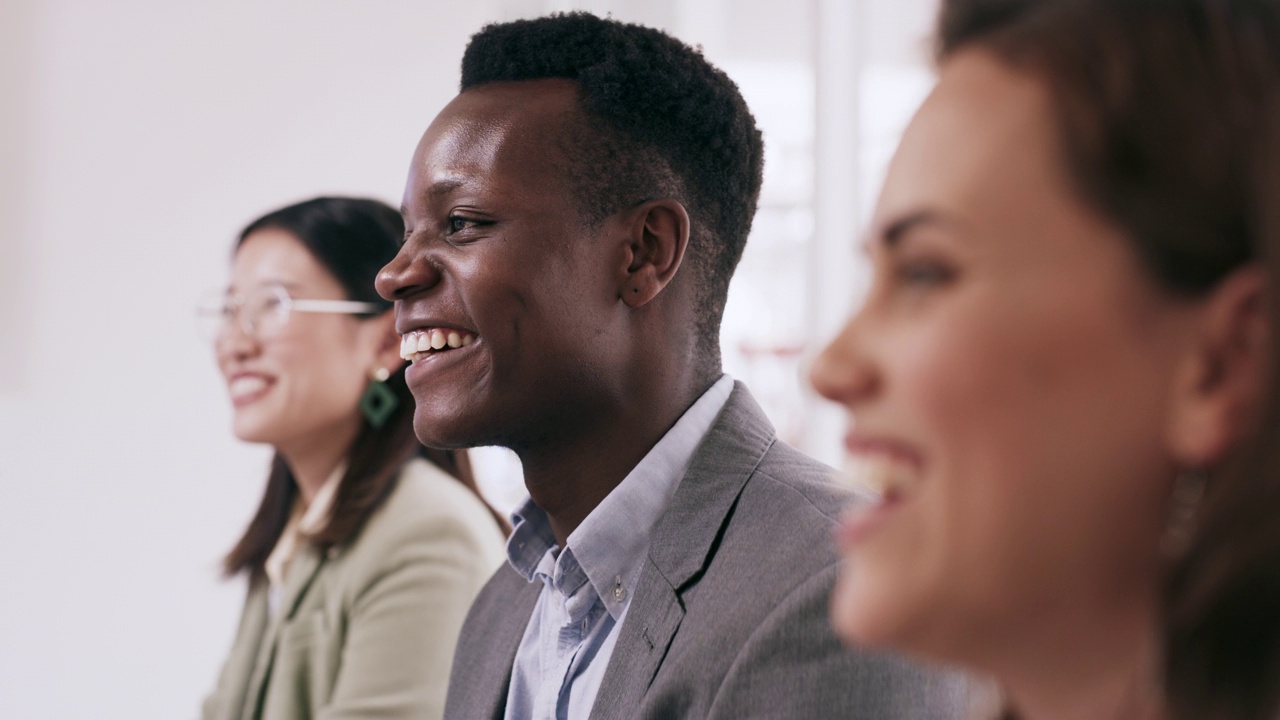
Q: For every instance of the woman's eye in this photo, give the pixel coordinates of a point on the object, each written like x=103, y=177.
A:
x=925, y=274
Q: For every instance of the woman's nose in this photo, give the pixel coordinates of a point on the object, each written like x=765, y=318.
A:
x=844, y=371
x=233, y=341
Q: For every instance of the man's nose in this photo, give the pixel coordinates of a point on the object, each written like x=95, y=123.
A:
x=408, y=272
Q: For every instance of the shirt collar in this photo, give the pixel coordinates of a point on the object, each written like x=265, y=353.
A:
x=531, y=539
x=302, y=522
x=317, y=513
x=611, y=542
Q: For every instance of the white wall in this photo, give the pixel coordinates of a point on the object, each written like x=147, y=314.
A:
x=136, y=137
x=148, y=132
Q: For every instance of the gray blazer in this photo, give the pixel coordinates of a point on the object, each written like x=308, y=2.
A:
x=729, y=617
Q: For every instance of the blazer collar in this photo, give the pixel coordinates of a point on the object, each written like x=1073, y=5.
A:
x=681, y=548
x=683, y=538
x=302, y=571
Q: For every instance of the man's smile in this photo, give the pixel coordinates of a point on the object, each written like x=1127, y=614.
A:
x=418, y=344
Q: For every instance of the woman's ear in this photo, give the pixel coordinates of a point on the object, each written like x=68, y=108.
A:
x=1219, y=389
x=657, y=238
x=385, y=340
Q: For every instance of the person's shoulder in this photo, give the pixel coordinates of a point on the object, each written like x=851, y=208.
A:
x=742, y=437
x=800, y=484
x=427, y=506
x=425, y=490
x=784, y=517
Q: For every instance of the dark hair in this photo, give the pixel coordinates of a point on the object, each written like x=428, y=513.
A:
x=659, y=122
x=353, y=239
x=1167, y=112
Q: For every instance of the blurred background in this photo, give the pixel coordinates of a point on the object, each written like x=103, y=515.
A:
x=138, y=136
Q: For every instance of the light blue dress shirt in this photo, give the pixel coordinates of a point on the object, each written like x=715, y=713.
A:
x=587, y=587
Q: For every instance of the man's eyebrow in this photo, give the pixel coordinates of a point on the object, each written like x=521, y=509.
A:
x=438, y=188
x=444, y=187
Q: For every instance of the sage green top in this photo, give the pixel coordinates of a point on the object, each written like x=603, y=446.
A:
x=367, y=630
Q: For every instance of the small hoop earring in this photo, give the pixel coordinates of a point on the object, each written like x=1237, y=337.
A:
x=1184, y=506
x=378, y=402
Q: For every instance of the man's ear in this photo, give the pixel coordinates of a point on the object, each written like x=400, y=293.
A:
x=658, y=236
x=1218, y=389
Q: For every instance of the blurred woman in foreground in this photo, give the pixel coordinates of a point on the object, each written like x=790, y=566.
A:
x=1064, y=375
x=367, y=548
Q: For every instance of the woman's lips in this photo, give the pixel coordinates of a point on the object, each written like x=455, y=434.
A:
x=246, y=388
x=880, y=474
x=863, y=519
x=884, y=481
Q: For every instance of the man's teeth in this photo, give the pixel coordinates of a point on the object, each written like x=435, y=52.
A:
x=421, y=342
x=878, y=475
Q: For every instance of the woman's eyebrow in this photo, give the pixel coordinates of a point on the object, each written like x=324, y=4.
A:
x=892, y=234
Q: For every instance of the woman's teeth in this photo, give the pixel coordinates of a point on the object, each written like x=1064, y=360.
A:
x=878, y=475
x=246, y=385
x=421, y=343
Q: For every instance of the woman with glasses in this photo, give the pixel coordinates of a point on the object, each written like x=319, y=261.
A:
x=367, y=548
x=1063, y=385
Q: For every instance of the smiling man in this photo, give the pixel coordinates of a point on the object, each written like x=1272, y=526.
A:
x=573, y=219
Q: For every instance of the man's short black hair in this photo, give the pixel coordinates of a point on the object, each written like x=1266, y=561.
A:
x=661, y=121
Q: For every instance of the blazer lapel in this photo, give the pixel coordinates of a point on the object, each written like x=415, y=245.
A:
x=302, y=571
x=651, y=623
x=680, y=548
x=253, y=627
x=507, y=634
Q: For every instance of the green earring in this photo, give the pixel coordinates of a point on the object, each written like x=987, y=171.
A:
x=378, y=402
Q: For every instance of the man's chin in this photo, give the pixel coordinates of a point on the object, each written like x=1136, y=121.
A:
x=445, y=433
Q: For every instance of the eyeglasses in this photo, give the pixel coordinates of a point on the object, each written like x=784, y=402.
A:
x=264, y=311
